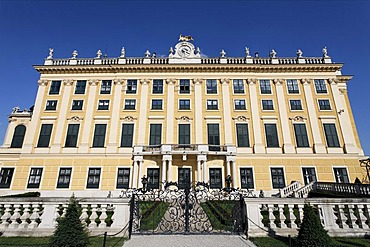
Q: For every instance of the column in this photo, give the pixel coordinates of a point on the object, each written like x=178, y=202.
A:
x=233, y=164
x=140, y=168
x=199, y=177
x=113, y=139
x=169, y=174
x=88, y=121
x=287, y=138
x=34, y=123
x=227, y=111
x=61, y=122
x=258, y=144
x=204, y=170
x=170, y=110
x=143, y=110
x=198, y=110
x=228, y=170
x=164, y=169
x=318, y=146
x=343, y=116
x=135, y=173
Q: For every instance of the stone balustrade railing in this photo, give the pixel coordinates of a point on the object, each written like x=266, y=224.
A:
x=165, y=60
x=344, y=188
x=38, y=216
x=303, y=192
x=283, y=216
x=290, y=189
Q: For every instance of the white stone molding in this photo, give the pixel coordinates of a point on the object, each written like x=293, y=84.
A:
x=197, y=81
x=278, y=81
x=94, y=82
x=114, y=133
x=318, y=145
x=241, y=119
x=68, y=82
x=170, y=81
x=198, y=110
x=225, y=80
x=128, y=119
x=42, y=82
x=184, y=119
x=75, y=119
x=256, y=125
x=298, y=119
x=252, y=81
x=144, y=81
x=119, y=81
x=227, y=111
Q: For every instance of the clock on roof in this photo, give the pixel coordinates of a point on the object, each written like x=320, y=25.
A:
x=184, y=50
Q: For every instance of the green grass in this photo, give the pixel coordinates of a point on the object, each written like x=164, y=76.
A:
x=44, y=241
x=152, y=214
x=283, y=242
x=215, y=216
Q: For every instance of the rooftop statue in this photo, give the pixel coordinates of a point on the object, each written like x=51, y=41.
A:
x=123, y=52
x=74, y=54
x=15, y=109
x=273, y=53
x=51, y=53
x=98, y=54
x=325, y=52
x=185, y=38
x=247, y=53
x=147, y=54
x=222, y=53
x=299, y=53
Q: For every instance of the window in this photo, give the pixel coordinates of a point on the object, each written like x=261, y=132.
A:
x=239, y=104
x=77, y=104
x=106, y=86
x=156, y=104
x=295, y=105
x=341, y=175
x=64, y=178
x=320, y=86
x=183, y=177
x=184, y=134
x=155, y=134
x=127, y=135
x=238, y=86
x=6, y=175
x=157, y=86
x=80, y=87
x=51, y=105
x=55, y=87
x=184, y=104
x=301, y=135
x=309, y=175
x=103, y=105
x=184, y=86
x=213, y=137
x=34, y=179
x=99, y=135
x=123, y=178
x=277, y=176
x=211, y=86
x=131, y=86
x=212, y=104
x=153, y=178
x=130, y=104
x=242, y=135
x=72, y=135
x=215, y=178
x=265, y=86
x=18, y=136
x=93, y=178
x=271, y=136
x=246, y=178
x=45, y=134
x=267, y=104
x=324, y=104
x=292, y=86
x=331, y=136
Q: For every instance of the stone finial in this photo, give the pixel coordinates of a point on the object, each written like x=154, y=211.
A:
x=15, y=109
x=51, y=53
x=273, y=53
x=325, y=52
x=154, y=55
x=74, y=54
x=299, y=53
x=223, y=53
x=256, y=54
x=247, y=52
x=98, y=54
x=147, y=54
x=123, y=52
x=197, y=51
x=170, y=52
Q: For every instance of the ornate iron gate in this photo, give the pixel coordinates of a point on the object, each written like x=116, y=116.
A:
x=194, y=210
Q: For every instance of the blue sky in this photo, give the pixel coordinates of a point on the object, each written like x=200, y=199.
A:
x=29, y=28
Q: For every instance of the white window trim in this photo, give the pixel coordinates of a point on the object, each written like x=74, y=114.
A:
x=124, y=105
x=111, y=87
x=259, y=85
x=273, y=105
x=46, y=105
x=272, y=185
x=75, y=85
x=318, y=105
x=308, y=166
x=222, y=174
x=126, y=84
x=70, y=181
x=178, y=105
x=205, y=84
x=151, y=105
x=290, y=106
x=244, y=85
x=178, y=131
x=218, y=105
x=254, y=178
x=326, y=85
x=130, y=177
x=28, y=178
x=99, y=104
x=334, y=176
x=245, y=103
x=287, y=90
x=185, y=166
x=100, y=177
x=83, y=105
x=133, y=135
x=163, y=87
x=11, y=182
x=191, y=87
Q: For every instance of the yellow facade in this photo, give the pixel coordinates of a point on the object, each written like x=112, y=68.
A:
x=293, y=159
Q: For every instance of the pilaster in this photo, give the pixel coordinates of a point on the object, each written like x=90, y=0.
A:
x=227, y=110
x=143, y=110
x=198, y=110
x=170, y=110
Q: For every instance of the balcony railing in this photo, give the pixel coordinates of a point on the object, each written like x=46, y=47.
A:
x=152, y=148
x=184, y=147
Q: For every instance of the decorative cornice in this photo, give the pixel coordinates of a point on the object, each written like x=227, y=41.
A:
x=333, y=80
x=75, y=119
x=225, y=80
x=119, y=81
x=171, y=81
x=184, y=119
x=298, y=119
x=144, y=81
x=197, y=81
x=128, y=119
x=306, y=81
x=42, y=82
x=241, y=118
x=94, y=82
x=68, y=82
x=278, y=81
x=252, y=81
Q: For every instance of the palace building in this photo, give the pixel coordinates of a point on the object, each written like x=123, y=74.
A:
x=101, y=124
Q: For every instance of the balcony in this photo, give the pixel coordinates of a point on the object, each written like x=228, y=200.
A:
x=184, y=149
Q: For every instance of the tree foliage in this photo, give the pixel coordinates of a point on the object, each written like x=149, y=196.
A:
x=311, y=232
x=70, y=232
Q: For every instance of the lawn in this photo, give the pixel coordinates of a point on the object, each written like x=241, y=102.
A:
x=44, y=241
x=283, y=242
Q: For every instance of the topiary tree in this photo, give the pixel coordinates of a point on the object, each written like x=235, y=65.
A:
x=311, y=232
x=70, y=231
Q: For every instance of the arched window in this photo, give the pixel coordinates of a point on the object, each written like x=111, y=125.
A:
x=18, y=136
